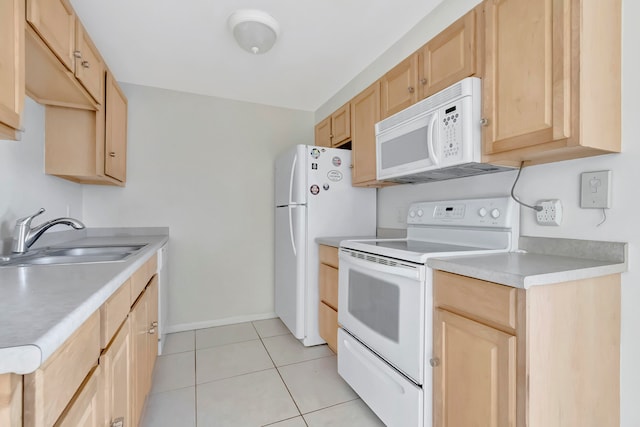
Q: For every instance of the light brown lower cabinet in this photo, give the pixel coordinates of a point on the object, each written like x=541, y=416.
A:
x=86, y=408
x=101, y=375
x=117, y=365
x=548, y=356
x=328, y=293
x=145, y=346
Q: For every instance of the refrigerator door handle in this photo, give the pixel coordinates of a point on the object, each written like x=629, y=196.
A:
x=293, y=242
x=293, y=173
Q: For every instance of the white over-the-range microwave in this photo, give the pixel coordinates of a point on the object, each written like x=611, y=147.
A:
x=435, y=139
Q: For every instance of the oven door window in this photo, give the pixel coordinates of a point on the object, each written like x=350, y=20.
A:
x=376, y=303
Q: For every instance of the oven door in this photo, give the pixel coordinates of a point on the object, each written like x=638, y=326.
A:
x=382, y=303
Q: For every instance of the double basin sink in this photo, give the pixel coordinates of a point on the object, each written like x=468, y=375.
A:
x=54, y=255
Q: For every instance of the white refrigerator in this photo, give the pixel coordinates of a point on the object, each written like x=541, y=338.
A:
x=313, y=198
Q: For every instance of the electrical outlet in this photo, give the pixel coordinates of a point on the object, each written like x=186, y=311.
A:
x=595, y=191
x=551, y=213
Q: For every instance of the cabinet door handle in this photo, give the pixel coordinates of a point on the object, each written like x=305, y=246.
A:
x=154, y=324
x=423, y=81
x=77, y=54
x=152, y=331
x=484, y=122
x=112, y=154
x=411, y=89
x=435, y=362
x=118, y=422
x=85, y=64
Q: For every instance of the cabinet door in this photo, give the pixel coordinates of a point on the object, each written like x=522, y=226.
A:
x=328, y=325
x=116, y=363
x=115, y=160
x=341, y=125
x=89, y=68
x=140, y=348
x=398, y=86
x=86, y=409
x=11, y=400
x=152, y=321
x=449, y=57
x=12, y=62
x=526, y=98
x=55, y=21
x=323, y=133
x=365, y=113
x=474, y=375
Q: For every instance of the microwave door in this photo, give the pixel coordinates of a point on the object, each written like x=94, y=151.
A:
x=407, y=146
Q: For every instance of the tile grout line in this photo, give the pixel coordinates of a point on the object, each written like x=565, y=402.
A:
x=280, y=375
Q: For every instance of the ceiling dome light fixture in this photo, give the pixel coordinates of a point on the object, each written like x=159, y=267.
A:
x=254, y=30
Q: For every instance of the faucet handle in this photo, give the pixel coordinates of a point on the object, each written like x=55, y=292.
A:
x=27, y=219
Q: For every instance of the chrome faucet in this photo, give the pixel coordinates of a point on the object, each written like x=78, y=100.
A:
x=24, y=236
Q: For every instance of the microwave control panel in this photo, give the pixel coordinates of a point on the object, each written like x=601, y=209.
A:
x=451, y=131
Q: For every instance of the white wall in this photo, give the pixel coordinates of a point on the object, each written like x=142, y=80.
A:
x=204, y=167
x=24, y=188
x=560, y=180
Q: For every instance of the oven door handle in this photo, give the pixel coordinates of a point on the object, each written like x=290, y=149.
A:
x=410, y=272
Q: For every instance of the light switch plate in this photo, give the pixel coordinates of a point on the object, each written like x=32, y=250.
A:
x=595, y=190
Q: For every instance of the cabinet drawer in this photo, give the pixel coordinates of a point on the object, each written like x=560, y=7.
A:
x=141, y=277
x=48, y=390
x=485, y=302
x=86, y=408
x=328, y=255
x=114, y=312
x=328, y=285
x=328, y=325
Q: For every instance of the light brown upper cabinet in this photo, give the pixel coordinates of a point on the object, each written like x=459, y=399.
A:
x=88, y=146
x=399, y=87
x=449, y=57
x=55, y=22
x=115, y=148
x=335, y=130
x=89, y=68
x=552, y=85
x=11, y=67
x=365, y=113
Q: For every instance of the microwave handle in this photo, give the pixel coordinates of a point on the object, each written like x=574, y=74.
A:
x=431, y=143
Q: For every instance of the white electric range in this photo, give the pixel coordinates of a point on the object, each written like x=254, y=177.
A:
x=385, y=338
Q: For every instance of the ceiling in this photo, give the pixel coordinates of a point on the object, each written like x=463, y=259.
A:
x=187, y=46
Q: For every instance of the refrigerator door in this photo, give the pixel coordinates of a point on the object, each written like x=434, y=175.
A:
x=291, y=177
x=290, y=266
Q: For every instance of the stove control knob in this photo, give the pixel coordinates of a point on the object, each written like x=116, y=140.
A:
x=495, y=213
x=412, y=214
x=482, y=212
x=420, y=212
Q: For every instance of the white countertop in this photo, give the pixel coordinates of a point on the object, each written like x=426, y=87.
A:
x=335, y=241
x=523, y=270
x=42, y=305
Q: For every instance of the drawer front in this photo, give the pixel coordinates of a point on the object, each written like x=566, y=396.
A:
x=48, y=390
x=114, y=312
x=328, y=255
x=485, y=302
x=328, y=285
x=141, y=277
x=394, y=399
x=328, y=325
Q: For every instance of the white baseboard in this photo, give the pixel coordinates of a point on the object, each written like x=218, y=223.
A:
x=181, y=327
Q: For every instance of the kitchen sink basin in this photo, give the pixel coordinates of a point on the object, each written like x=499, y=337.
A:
x=54, y=255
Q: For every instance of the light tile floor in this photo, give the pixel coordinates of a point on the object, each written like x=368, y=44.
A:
x=250, y=375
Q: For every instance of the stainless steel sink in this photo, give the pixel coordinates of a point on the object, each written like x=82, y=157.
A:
x=71, y=255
